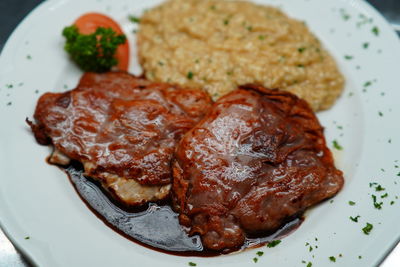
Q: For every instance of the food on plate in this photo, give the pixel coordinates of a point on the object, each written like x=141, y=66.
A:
x=218, y=45
x=123, y=129
x=258, y=159
x=96, y=43
x=239, y=168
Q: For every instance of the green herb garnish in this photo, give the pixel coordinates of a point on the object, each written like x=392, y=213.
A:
x=255, y=260
x=355, y=219
x=372, y=184
x=273, y=243
x=301, y=49
x=352, y=203
x=93, y=52
x=332, y=259
x=368, y=83
x=192, y=263
x=336, y=145
x=377, y=205
x=189, y=75
x=375, y=30
x=368, y=228
x=260, y=253
x=345, y=15
x=379, y=188
x=134, y=19
x=347, y=57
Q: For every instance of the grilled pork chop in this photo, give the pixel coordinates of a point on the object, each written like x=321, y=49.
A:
x=122, y=128
x=257, y=159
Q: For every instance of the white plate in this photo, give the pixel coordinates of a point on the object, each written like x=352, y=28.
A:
x=38, y=201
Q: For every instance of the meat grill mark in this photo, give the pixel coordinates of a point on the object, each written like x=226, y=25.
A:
x=258, y=158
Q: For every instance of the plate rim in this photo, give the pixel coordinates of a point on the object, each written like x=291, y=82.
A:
x=41, y=8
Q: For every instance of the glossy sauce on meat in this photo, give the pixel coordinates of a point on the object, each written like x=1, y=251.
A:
x=258, y=158
x=245, y=169
x=122, y=128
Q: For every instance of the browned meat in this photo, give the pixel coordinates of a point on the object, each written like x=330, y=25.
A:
x=122, y=128
x=257, y=159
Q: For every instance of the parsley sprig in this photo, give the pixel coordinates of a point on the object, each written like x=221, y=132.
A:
x=93, y=52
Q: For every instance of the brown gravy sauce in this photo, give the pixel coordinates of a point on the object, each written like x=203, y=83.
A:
x=155, y=225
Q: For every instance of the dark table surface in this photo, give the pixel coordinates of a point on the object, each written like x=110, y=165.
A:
x=13, y=11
